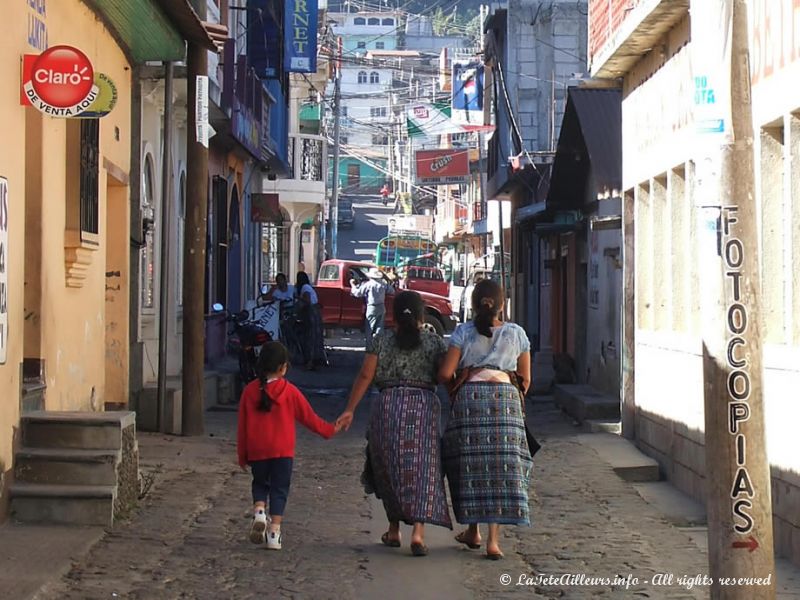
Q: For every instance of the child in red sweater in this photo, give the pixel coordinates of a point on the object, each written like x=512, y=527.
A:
x=269, y=407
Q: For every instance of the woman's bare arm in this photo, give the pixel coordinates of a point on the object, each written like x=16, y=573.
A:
x=524, y=370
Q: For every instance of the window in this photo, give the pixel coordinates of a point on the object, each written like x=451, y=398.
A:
x=329, y=273
x=377, y=111
x=274, y=250
x=388, y=22
x=148, y=225
x=361, y=45
x=344, y=111
x=373, y=21
x=362, y=77
x=379, y=45
x=374, y=77
x=90, y=173
x=380, y=140
x=359, y=21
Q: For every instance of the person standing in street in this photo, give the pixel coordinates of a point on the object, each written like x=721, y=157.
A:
x=486, y=455
x=373, y=290
x=404, y=467
x=266, y=438
x=310, y=316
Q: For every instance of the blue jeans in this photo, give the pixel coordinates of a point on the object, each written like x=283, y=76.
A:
x=271, y=480
x=376, y=315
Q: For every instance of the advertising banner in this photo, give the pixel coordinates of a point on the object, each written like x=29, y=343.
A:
x=468, y=93
x=300, y=36
x=410, y=224
x=443, y=166
x=265, y=208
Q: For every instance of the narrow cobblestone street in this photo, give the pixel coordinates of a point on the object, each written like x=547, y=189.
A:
x=188, y=537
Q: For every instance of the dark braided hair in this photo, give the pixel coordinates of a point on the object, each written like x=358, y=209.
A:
x=273, y=356
x=409, y=310
x=487, y=303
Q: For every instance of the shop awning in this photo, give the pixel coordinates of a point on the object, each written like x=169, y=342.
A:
x=153, y=30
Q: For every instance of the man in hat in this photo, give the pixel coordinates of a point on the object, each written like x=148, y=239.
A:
x=373, y=290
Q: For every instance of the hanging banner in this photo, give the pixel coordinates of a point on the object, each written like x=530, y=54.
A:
x=711, y=60
x=61, y=82
x=202, y=126
x=3, y=269
x=467, y=93
x=427, y=119
x=410, y=224
x=443, y=166
x=300, y=36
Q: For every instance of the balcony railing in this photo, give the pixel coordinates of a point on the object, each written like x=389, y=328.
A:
x=308, y=154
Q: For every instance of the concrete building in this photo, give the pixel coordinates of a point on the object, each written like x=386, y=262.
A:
x=653, y=49
x=534, y=52
x=66, y=190
x=419, y=35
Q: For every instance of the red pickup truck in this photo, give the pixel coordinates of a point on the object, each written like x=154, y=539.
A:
x=341, y=309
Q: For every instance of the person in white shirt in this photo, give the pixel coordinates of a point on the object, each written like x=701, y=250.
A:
x=310, y=316
x=281, y=291
x=373, y=290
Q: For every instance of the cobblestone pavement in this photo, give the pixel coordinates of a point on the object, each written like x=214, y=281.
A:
x=188, y=538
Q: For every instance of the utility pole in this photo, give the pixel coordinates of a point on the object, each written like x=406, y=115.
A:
x=166, y=211
x=334, y=218
x=194, y=256
x=740, y=541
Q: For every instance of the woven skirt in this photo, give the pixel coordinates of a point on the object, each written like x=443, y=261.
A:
x=404, y=467
x=486, y=456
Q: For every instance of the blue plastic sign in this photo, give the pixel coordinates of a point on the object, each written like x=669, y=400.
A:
x=300, y=36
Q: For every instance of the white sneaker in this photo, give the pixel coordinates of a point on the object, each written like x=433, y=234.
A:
x=274, y=540
x=258, y=528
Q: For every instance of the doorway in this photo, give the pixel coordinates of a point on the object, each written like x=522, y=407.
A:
x=234, y=253
x=353, y=175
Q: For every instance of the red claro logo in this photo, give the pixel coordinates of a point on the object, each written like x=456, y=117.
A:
x=59, y=82
x=63, y=76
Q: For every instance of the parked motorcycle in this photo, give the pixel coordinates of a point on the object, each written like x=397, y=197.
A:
x=245, y=339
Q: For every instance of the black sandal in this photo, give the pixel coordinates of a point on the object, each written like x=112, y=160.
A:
x=387, y=541
x=419, y=549
x=461, y=539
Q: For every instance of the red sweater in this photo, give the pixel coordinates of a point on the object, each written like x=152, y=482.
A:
x=263, y=435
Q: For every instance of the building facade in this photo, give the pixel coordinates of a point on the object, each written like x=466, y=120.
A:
x=651, y=47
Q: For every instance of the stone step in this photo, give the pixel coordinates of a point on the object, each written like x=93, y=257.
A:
x=63, y=504
x=627, y=461
x=602, y=426
x=66, y=466
x=81, y=430
x=582, y=402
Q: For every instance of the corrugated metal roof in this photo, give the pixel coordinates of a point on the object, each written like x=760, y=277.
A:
x=152, y=29
x=590, y=143
x=600, y=118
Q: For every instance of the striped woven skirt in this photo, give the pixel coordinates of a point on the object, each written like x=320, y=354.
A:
x=486, y=456
x=404, y=456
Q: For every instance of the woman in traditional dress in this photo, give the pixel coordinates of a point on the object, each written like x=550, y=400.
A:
x=486, y=456
x=310, y=315
x=404, y=467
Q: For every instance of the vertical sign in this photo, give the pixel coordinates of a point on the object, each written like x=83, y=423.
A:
x=3, y=269
x=300, y=36
x=201, y=110
x=467, y=93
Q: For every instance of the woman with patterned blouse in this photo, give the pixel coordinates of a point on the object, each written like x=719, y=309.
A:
x=486, y=454
x=404, y=466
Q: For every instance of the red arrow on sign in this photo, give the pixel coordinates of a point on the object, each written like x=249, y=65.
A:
x=751, y=543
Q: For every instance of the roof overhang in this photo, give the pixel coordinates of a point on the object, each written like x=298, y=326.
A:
x=640, y=30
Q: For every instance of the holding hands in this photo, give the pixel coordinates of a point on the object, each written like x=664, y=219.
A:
x=344, y=421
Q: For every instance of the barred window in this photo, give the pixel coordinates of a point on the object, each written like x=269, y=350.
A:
x=89, y=175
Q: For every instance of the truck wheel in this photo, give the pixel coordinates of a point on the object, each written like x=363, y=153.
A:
x=434, y=322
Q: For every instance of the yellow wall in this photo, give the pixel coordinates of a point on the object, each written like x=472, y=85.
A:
x=66, y=326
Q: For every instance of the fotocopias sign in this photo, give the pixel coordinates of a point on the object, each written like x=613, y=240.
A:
x=61, y=82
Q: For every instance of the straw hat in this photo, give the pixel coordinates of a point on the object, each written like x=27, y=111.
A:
x=375, y=273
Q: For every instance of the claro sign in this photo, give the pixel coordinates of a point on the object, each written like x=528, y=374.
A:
x=61, y=82
x=443, y=166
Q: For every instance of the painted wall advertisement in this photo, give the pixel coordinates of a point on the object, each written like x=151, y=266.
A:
x=3, y=269
x=61, y=82
x=410, y=224
x=300, y=36
x=468, y=93
x=443, y=166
